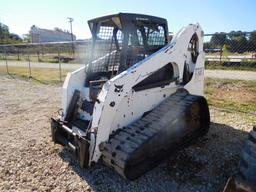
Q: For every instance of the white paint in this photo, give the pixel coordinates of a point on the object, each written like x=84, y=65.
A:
x=129, y=105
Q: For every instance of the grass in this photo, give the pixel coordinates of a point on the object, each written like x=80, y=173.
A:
x=44, y=75
x=46, y=58
x=236, y=95
x=244, y=65
x=33, y=58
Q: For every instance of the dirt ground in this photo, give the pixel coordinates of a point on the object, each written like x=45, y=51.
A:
x=29, y=161
x=232, y=94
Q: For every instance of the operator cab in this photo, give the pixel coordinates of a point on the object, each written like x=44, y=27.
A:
x=121, y=40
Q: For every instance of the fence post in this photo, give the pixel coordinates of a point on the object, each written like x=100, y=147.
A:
x=30, y=76
x=38, y=58
x=220, y=55
x=18, y=51
x=59, y=64
x=6, y=62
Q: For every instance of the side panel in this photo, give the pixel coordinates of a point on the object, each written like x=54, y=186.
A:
x=132, y=107
x=196, y=84
x=74, y=81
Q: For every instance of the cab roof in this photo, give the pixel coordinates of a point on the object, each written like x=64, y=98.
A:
x=122, y=19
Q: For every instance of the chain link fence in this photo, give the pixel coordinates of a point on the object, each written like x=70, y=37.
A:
x=44, y=61
x=51, y=61
x=234, y=50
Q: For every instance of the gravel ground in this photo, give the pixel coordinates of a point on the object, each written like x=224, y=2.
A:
x=29, y=161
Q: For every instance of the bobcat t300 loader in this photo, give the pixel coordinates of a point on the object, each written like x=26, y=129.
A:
x=138, y=98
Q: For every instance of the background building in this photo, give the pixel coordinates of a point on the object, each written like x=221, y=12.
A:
x=39, y=35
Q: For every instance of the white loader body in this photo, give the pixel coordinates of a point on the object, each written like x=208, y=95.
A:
x=119, y=107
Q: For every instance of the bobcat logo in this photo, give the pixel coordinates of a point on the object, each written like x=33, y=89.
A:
x=118, y=88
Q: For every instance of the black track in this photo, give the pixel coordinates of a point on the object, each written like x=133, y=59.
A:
x=140, y=146
x=247, y=166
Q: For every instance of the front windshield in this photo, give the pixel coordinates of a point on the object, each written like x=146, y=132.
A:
x=106, y=50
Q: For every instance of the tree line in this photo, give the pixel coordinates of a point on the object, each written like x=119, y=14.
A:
x=235, y=41
x=6, y=37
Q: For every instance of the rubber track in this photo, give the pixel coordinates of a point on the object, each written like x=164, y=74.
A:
x=123, y=143
x=247, y=165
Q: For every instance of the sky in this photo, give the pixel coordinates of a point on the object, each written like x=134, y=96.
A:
x=213, y=15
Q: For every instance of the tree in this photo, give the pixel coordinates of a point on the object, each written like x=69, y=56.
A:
x=15, y=37
x=207, y=45
x=237, y=41
x=252, y=41
x=218, y=40
x=225, y=50
x=4, y=31
x=6, y=37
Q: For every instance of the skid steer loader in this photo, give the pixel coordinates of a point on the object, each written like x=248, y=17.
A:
x=138, y=98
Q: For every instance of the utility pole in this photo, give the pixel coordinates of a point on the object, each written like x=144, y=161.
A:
x=70, y=20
